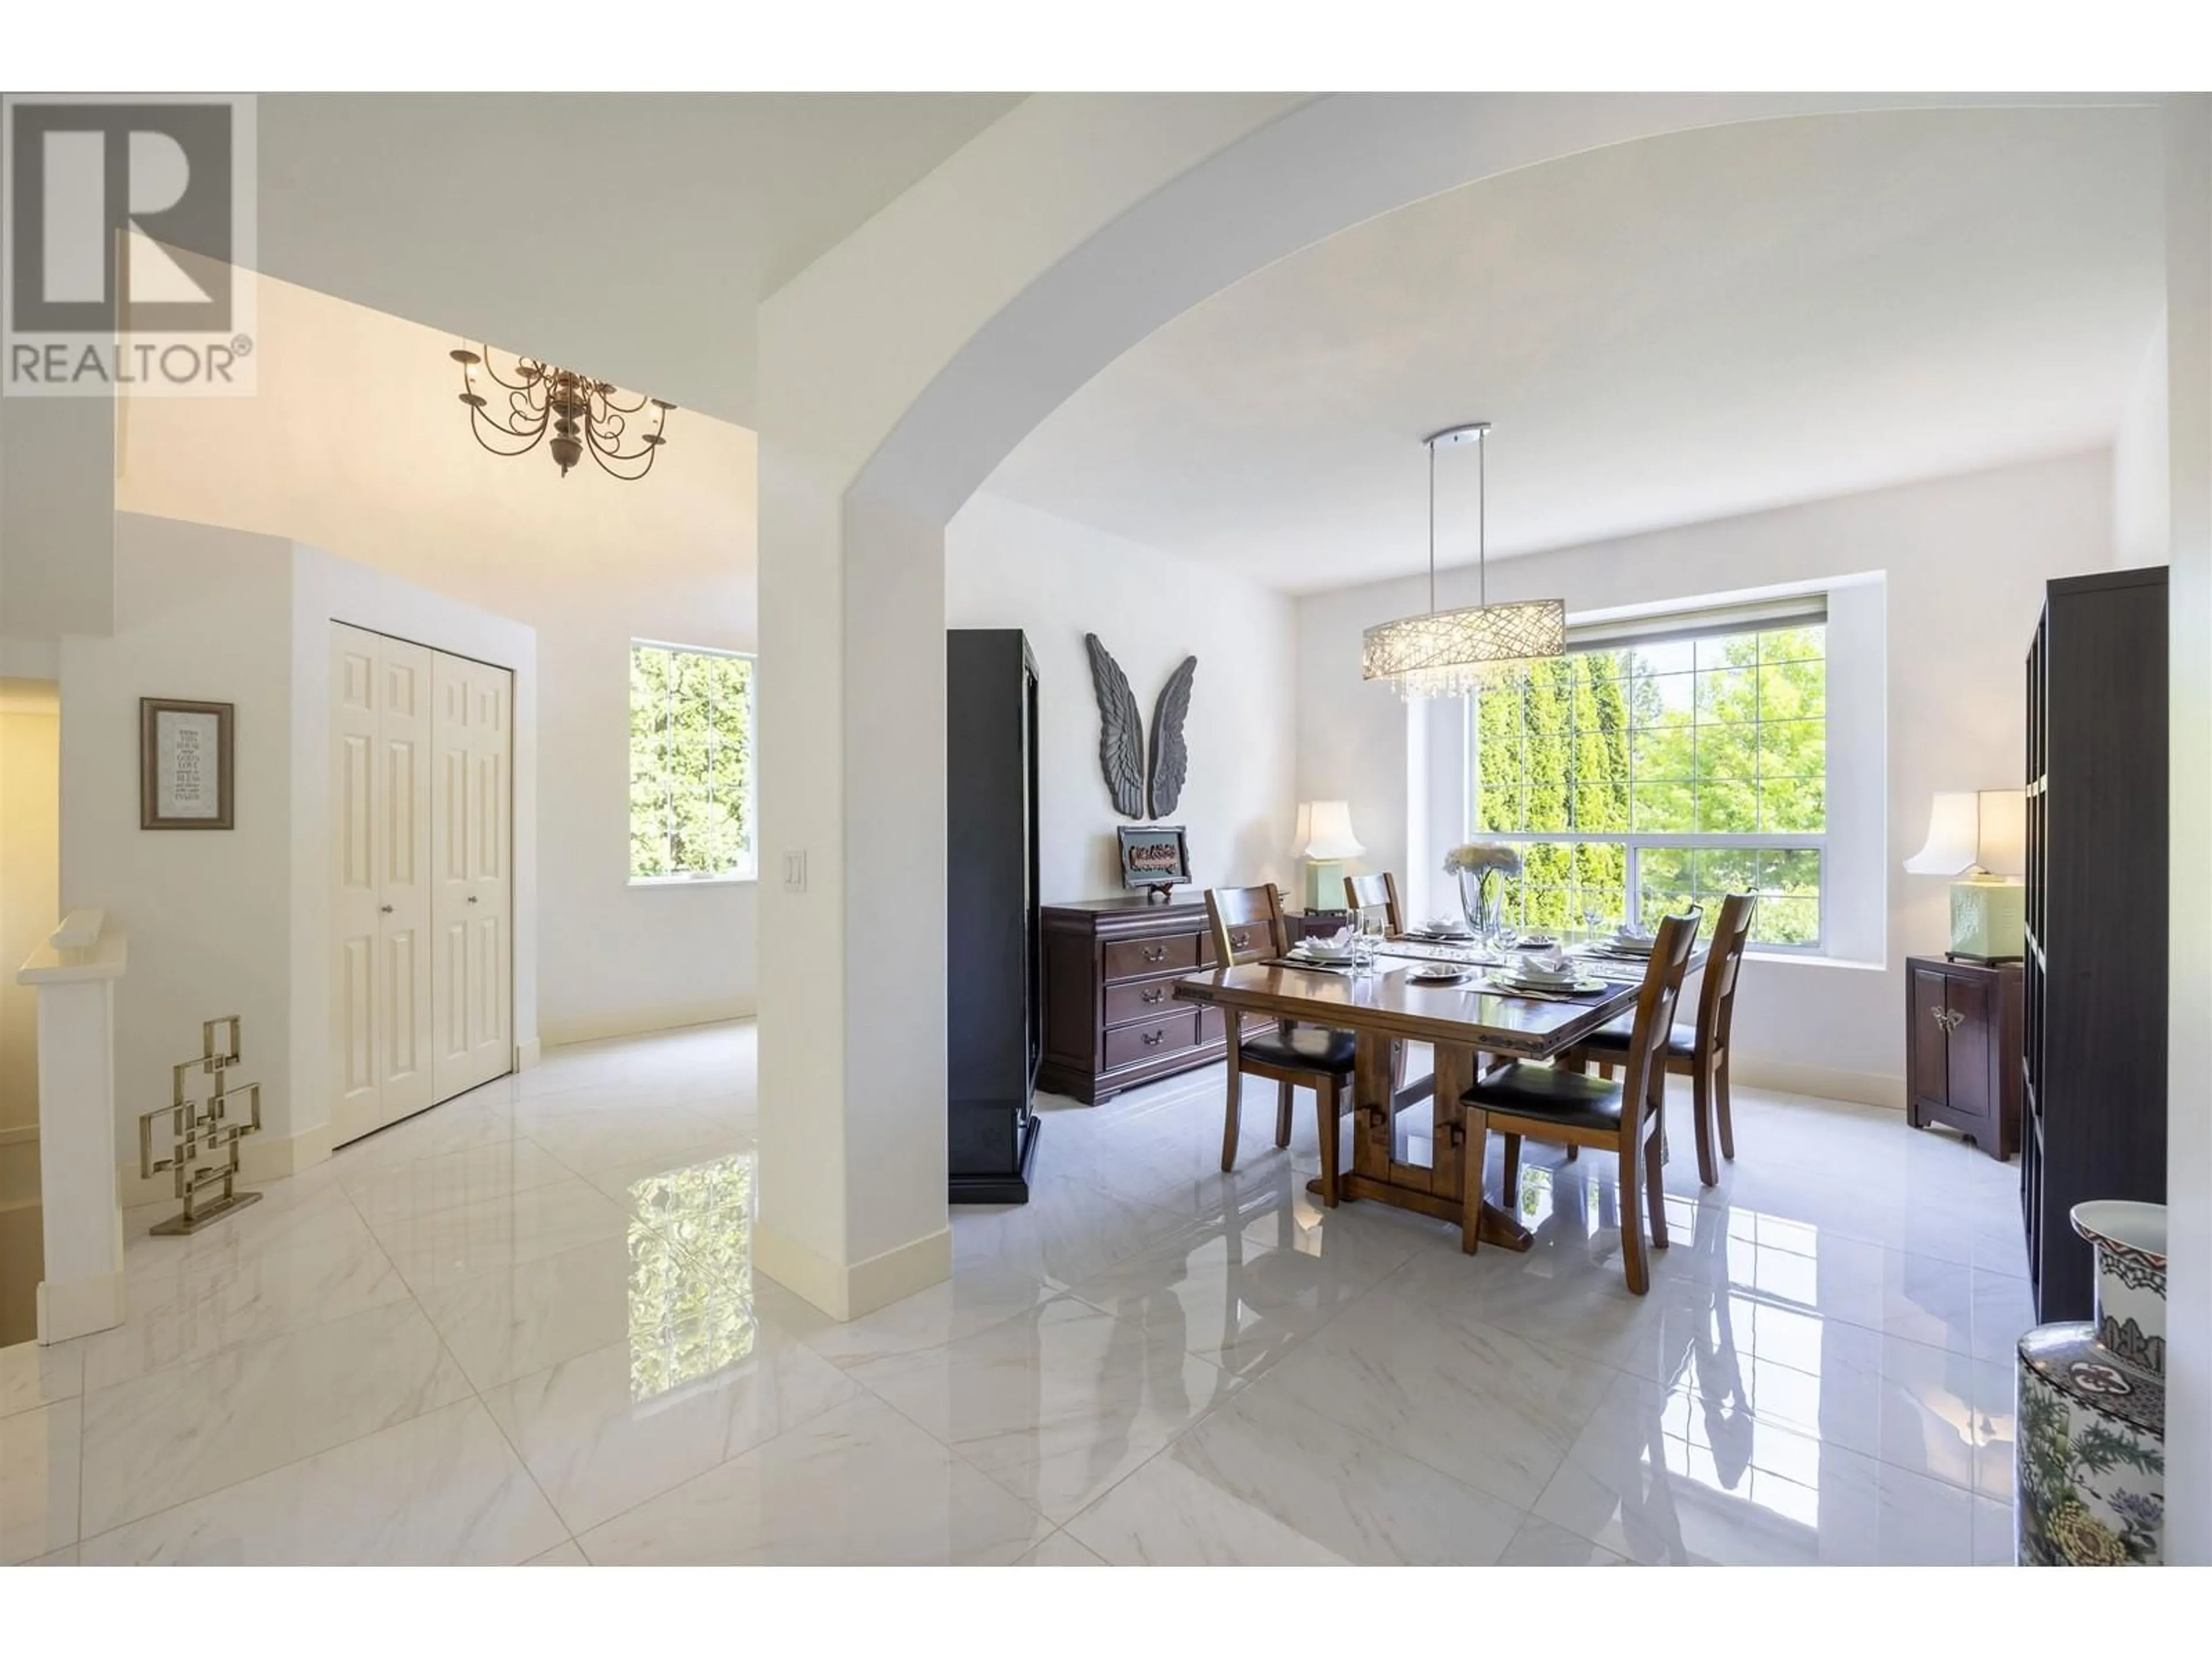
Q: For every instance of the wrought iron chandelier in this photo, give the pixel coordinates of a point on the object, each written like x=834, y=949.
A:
x=579, y=413
x=1444, y=653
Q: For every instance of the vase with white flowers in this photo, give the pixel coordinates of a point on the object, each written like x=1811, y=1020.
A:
x=1483, y=868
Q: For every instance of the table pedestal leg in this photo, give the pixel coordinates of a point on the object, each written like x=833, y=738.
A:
x=1374, y=1138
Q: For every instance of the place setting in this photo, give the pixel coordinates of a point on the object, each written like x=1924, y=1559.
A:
x=1542, y=970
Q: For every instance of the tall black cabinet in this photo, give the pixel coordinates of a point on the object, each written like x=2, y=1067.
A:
x=2095, y=979
x=992, y=977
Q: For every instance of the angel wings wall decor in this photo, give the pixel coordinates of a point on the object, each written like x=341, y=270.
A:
x=1121, y=756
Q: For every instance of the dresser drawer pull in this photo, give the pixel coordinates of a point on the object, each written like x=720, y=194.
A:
x=1155, y=953
x=1238, y=941
x=1152, y=1038
x=1949, y=1019
x=1158, y=993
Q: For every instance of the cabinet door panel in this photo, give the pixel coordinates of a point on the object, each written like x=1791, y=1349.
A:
x=1973, y=1034
x=1930, y=1044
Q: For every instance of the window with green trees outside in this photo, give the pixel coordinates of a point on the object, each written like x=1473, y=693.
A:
x=1644, y=776
x=690, y=763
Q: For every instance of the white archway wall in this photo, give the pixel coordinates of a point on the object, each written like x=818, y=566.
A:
x=2189, y=1113
x=943, y=331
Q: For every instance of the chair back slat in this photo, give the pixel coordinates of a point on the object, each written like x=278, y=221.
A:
x=1717, y=996
x=1258, y=911
x=1645, y=1079
x=1377, y=891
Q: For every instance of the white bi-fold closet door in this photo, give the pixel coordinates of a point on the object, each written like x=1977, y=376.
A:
x=422, y=751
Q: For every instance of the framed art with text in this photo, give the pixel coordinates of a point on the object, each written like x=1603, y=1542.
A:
x=1154, y=855
x=184, y=764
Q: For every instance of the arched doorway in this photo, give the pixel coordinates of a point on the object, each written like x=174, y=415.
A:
x=894, y=376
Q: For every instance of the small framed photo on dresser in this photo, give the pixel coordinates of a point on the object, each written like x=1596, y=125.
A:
x=184, y=768
x=1154, y=855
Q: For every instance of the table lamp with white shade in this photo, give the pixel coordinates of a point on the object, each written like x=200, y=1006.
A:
x=1324, y=840
x=1981, y=836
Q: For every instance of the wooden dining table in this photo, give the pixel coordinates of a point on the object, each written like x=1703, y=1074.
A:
x=1461, y=1023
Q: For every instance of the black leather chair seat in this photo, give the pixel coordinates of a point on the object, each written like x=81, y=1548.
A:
x=1614, y=1036
x=1567, y=1098
x=1308, y=1049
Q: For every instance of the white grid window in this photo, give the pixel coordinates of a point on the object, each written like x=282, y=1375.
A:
x=1669, y=768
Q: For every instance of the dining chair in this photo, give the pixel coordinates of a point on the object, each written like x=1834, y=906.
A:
x=1699, y=1053
x=1568, y=1108
x=1293, y=1057
x=1376, y=892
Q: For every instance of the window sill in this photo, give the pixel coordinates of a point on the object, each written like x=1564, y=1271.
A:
x=694, y=881
x=1813, y=959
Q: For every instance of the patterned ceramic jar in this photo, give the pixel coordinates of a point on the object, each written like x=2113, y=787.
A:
x=2090, y=1456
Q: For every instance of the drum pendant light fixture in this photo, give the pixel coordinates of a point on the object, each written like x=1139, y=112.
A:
x=1445, y=654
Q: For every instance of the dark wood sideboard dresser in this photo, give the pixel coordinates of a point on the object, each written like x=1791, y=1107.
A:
x=1110, y=1018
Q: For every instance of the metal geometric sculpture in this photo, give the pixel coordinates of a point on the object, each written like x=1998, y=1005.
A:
x=201, y=1128
x=1121, y=735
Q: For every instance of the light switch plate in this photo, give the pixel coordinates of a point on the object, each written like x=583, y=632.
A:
x=795, y=873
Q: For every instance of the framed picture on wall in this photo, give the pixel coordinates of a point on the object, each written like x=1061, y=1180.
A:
x=184, y=764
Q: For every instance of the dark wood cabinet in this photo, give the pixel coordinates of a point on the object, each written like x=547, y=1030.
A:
x=2095, y=979
x=994, y=994
x=1962, y=1047
x=1111, y=1020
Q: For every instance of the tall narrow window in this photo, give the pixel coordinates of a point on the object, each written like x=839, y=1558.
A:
x=1675, y=766
x=690, y=763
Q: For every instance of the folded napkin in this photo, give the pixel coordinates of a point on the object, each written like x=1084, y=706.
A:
x=1551, y=964
x=1630, y=937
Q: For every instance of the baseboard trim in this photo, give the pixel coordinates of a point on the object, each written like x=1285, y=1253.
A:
x=260, y=1159
x=80, y=1307
x=1829, y=1083
x=558, y=1033
x=848, y=1292
x=527, y=1054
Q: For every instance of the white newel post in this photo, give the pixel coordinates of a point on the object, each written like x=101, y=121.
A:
x=74, y=972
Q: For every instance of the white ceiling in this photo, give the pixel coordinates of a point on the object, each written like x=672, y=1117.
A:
x=1663, y=332
x=631, y=235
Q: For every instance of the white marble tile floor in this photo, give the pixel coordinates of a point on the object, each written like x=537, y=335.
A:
x=525, y=1327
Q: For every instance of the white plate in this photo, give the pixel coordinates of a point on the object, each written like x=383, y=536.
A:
x=1439, y=976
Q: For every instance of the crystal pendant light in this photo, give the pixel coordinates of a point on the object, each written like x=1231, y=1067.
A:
x=1444, y=653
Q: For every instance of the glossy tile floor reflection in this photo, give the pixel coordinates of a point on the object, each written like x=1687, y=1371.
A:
x=525, y=1327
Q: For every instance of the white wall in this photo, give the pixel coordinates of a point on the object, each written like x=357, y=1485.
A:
x=204, y=614
x=2140, y=496
x=354, y=444
x=1011, y=566
x=237, y=922
x=2189, y=1109
x=1963, y=559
